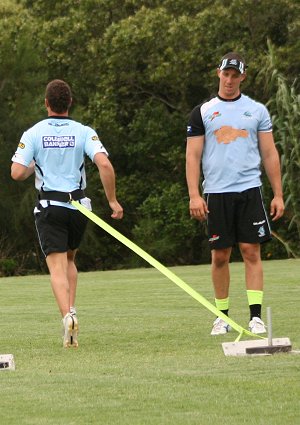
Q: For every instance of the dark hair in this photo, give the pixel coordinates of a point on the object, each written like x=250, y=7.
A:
x=59, y=96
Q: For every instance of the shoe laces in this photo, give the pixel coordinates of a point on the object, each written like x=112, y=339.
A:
x=257, y=322
x=219, y=324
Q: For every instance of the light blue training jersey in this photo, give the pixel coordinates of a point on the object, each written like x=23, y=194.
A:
x=58, y=146
x=231, y=160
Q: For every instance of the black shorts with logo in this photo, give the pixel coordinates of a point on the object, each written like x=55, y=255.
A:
x=59, y=229
x=237, y=217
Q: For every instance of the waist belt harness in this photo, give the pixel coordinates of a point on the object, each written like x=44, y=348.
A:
x=53, y=195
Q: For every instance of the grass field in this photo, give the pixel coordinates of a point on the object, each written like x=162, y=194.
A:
x=145, y=354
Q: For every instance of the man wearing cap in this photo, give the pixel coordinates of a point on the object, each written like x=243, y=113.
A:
x=230, y=136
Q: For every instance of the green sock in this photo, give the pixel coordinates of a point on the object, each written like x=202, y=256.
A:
x=222, y=305
x=254, y=297
x=255, y=301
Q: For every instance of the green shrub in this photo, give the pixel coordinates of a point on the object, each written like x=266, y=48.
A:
x=8, y=266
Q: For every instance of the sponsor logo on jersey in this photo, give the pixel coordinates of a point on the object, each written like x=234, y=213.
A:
x=58, y=141
x=247, y=114
x=227, y=134
x=21, y=145
x=94, y=138
x=214, y=115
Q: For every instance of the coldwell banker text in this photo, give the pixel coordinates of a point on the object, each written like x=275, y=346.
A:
x=58, y=141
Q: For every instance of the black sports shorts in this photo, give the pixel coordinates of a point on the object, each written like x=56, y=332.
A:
x=236, y=217
x=59, y=229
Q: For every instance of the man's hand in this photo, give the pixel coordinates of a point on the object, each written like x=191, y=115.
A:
x=198, y=208
x=117, y=210
x=277, y=208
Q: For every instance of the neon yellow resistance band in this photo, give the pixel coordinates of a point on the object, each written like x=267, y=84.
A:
x=162, y=269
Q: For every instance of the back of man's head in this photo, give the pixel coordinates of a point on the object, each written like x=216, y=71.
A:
x=59, y=96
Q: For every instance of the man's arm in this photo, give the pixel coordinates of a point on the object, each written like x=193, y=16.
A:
x=194, y=149
x=21, y=172
x=107, y=176
x=271, y=163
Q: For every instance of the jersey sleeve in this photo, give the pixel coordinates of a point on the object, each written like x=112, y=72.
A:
x=195, y=125
x=265, y=123
x=25, y=151
x=93, y=144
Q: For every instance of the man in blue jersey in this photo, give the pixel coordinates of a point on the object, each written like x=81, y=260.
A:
x=54, y=149
x=230, y=135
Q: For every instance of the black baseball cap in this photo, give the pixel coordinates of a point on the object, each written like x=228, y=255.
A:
x=233, y=60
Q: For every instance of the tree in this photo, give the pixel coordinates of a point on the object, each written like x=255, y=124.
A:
x=21, y=73
x=136, y=69
x=285, y=107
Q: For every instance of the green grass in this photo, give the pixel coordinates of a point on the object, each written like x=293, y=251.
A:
x=145, y=354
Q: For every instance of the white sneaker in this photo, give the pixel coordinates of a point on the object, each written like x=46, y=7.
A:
x=70, y=325
x=257, y=326
x=75, y=331
x=73, y=311
x=75, y=327
x=220, y=327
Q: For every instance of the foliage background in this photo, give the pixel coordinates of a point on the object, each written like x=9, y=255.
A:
x=136, y=69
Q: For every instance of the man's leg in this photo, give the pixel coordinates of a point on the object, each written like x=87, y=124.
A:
x=72, y=276
x=58, y=267
x=253, y=266
x=220, y=272
x=221, y=281
x=254, y=284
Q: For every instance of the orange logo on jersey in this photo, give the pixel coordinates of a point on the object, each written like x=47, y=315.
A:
x=21, y=145
x=227, y=134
